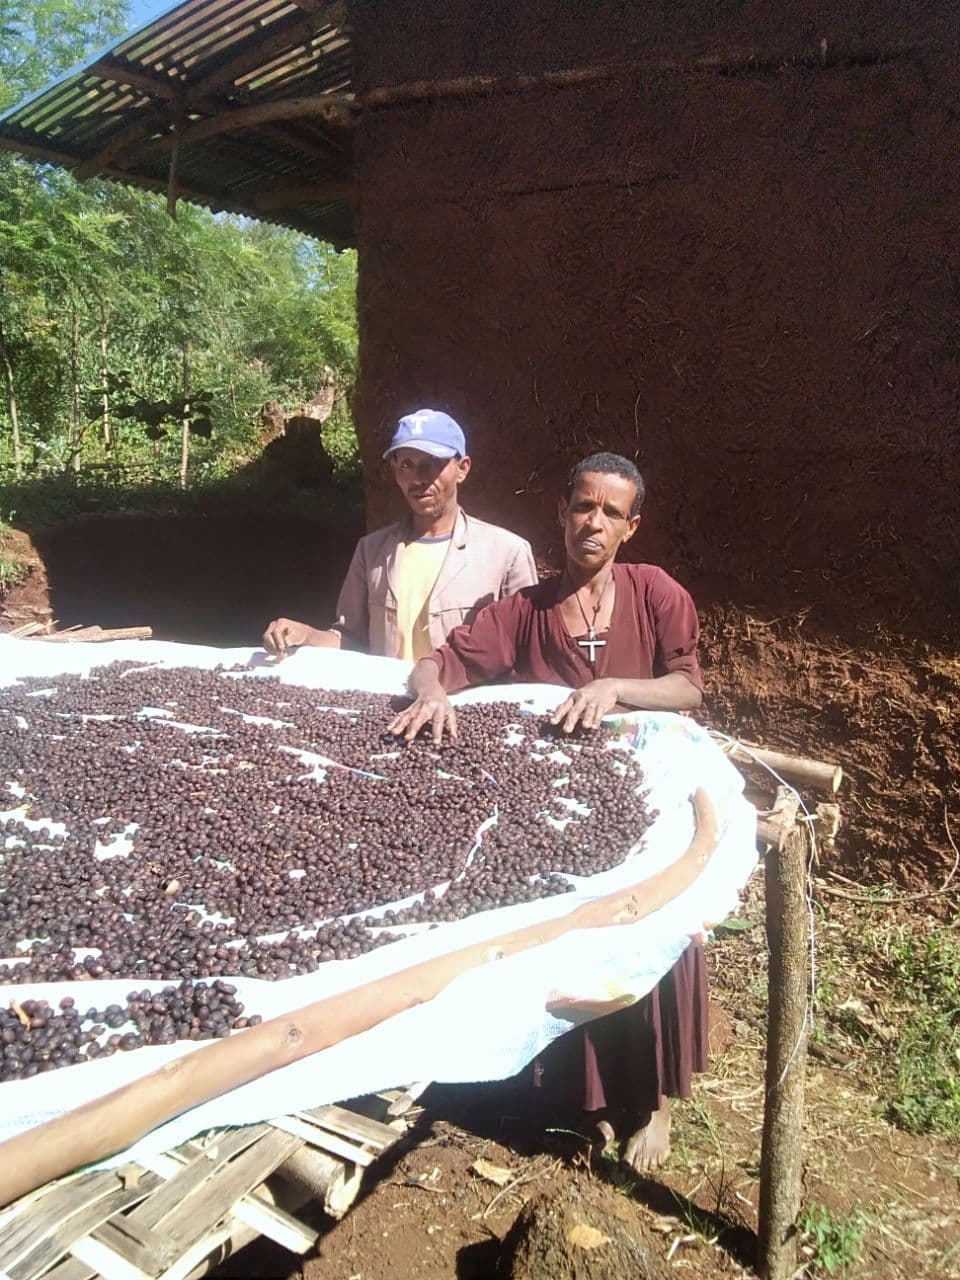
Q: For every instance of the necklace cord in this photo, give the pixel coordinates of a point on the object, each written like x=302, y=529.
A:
x=591, y=626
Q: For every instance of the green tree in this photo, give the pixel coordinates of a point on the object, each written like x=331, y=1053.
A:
x=110, y=310
x=41, y=39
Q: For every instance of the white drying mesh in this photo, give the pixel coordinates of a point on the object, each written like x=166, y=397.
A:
x=488, y=1023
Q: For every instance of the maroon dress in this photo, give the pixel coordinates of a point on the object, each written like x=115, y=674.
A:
x=628, y=1061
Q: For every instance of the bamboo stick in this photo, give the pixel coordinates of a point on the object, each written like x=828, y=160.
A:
x=98, y=634
x=110, y=1124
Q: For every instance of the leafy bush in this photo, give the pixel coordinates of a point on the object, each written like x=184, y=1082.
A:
x=12, y=569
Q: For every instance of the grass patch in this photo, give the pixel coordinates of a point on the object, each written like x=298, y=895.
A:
x=926, y=968
x=833, y=1240
x=887, y=996
x=891, y=992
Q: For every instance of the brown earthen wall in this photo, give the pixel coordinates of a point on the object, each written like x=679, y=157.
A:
x=749, y=279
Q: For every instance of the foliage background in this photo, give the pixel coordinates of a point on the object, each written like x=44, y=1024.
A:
x=106, y=300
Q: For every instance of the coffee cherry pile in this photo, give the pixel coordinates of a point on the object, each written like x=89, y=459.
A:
x=35, y=1038
x=243, y=860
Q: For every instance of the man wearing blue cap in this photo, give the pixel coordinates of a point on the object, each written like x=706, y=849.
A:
x=411, y=583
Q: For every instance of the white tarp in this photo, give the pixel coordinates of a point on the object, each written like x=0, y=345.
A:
x=488, y=1023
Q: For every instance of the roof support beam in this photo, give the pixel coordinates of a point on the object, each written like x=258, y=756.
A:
x=336, y=106
x=185, y=98
x=149, y=121
x=275, y=198
x=326, y=152
x=289, y=37
x=158, y=86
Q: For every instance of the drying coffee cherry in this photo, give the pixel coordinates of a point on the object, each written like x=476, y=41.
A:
x=200, y=855
x=34, y=1037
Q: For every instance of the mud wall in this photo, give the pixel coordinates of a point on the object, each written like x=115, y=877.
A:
x=744, y=271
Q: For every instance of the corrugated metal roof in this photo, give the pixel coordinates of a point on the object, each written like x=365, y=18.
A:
x=250, y=100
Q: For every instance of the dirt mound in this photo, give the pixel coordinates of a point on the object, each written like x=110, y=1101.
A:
x=587, y=1232
x=294, y=459
x=24, y=590
x=886, y=709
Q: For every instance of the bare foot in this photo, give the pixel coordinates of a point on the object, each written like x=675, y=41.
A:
x=608, y=1138
x=648, y=1147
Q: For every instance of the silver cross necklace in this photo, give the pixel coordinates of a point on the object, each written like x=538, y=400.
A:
x=591, y=642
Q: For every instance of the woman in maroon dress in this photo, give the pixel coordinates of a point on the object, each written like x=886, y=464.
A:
x=621, y=636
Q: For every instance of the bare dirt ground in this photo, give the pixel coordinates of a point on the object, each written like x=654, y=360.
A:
x=429, y=1213
x=885, y=708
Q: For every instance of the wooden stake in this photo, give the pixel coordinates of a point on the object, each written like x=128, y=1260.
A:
x=112, y=1123
x=781, y=1159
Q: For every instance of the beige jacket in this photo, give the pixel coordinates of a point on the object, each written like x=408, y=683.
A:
x=482, y=564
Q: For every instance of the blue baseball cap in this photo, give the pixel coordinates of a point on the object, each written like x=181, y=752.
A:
x=431, y=431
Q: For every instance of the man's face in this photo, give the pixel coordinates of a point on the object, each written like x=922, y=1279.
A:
x=596, y=518
x=428, y=484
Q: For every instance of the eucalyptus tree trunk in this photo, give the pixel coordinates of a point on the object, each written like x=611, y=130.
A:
x=185, y=423
x=105, y=418
x=76, y=430
x=11, y=401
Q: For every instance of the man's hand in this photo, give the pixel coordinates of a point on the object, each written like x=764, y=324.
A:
x=430, y=708
x=284, y=633
x=587, y=706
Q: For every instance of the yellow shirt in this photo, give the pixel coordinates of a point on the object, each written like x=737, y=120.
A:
x=417, y=573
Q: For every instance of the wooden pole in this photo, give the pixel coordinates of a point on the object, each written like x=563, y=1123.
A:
x=110, y=1124
x=173, y=173
x=781, y=1159
x=326, y=1178
x=800, y=770
x=738, y=61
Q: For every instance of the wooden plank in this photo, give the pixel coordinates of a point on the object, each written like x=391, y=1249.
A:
x=203, y=1198
x=405, y=1099
x=60, y=1241
x=106, y=1263
x=42, y=1215
x=349, y=1124
x=209, y=1205
x=71, y=1269
x=317, y=1137
x=165, y=1164
x=212, y=1249
x=137, y=1251
x=275, y=1223
x=140, y=1238
x=103, y=1240
x=170, y=1197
